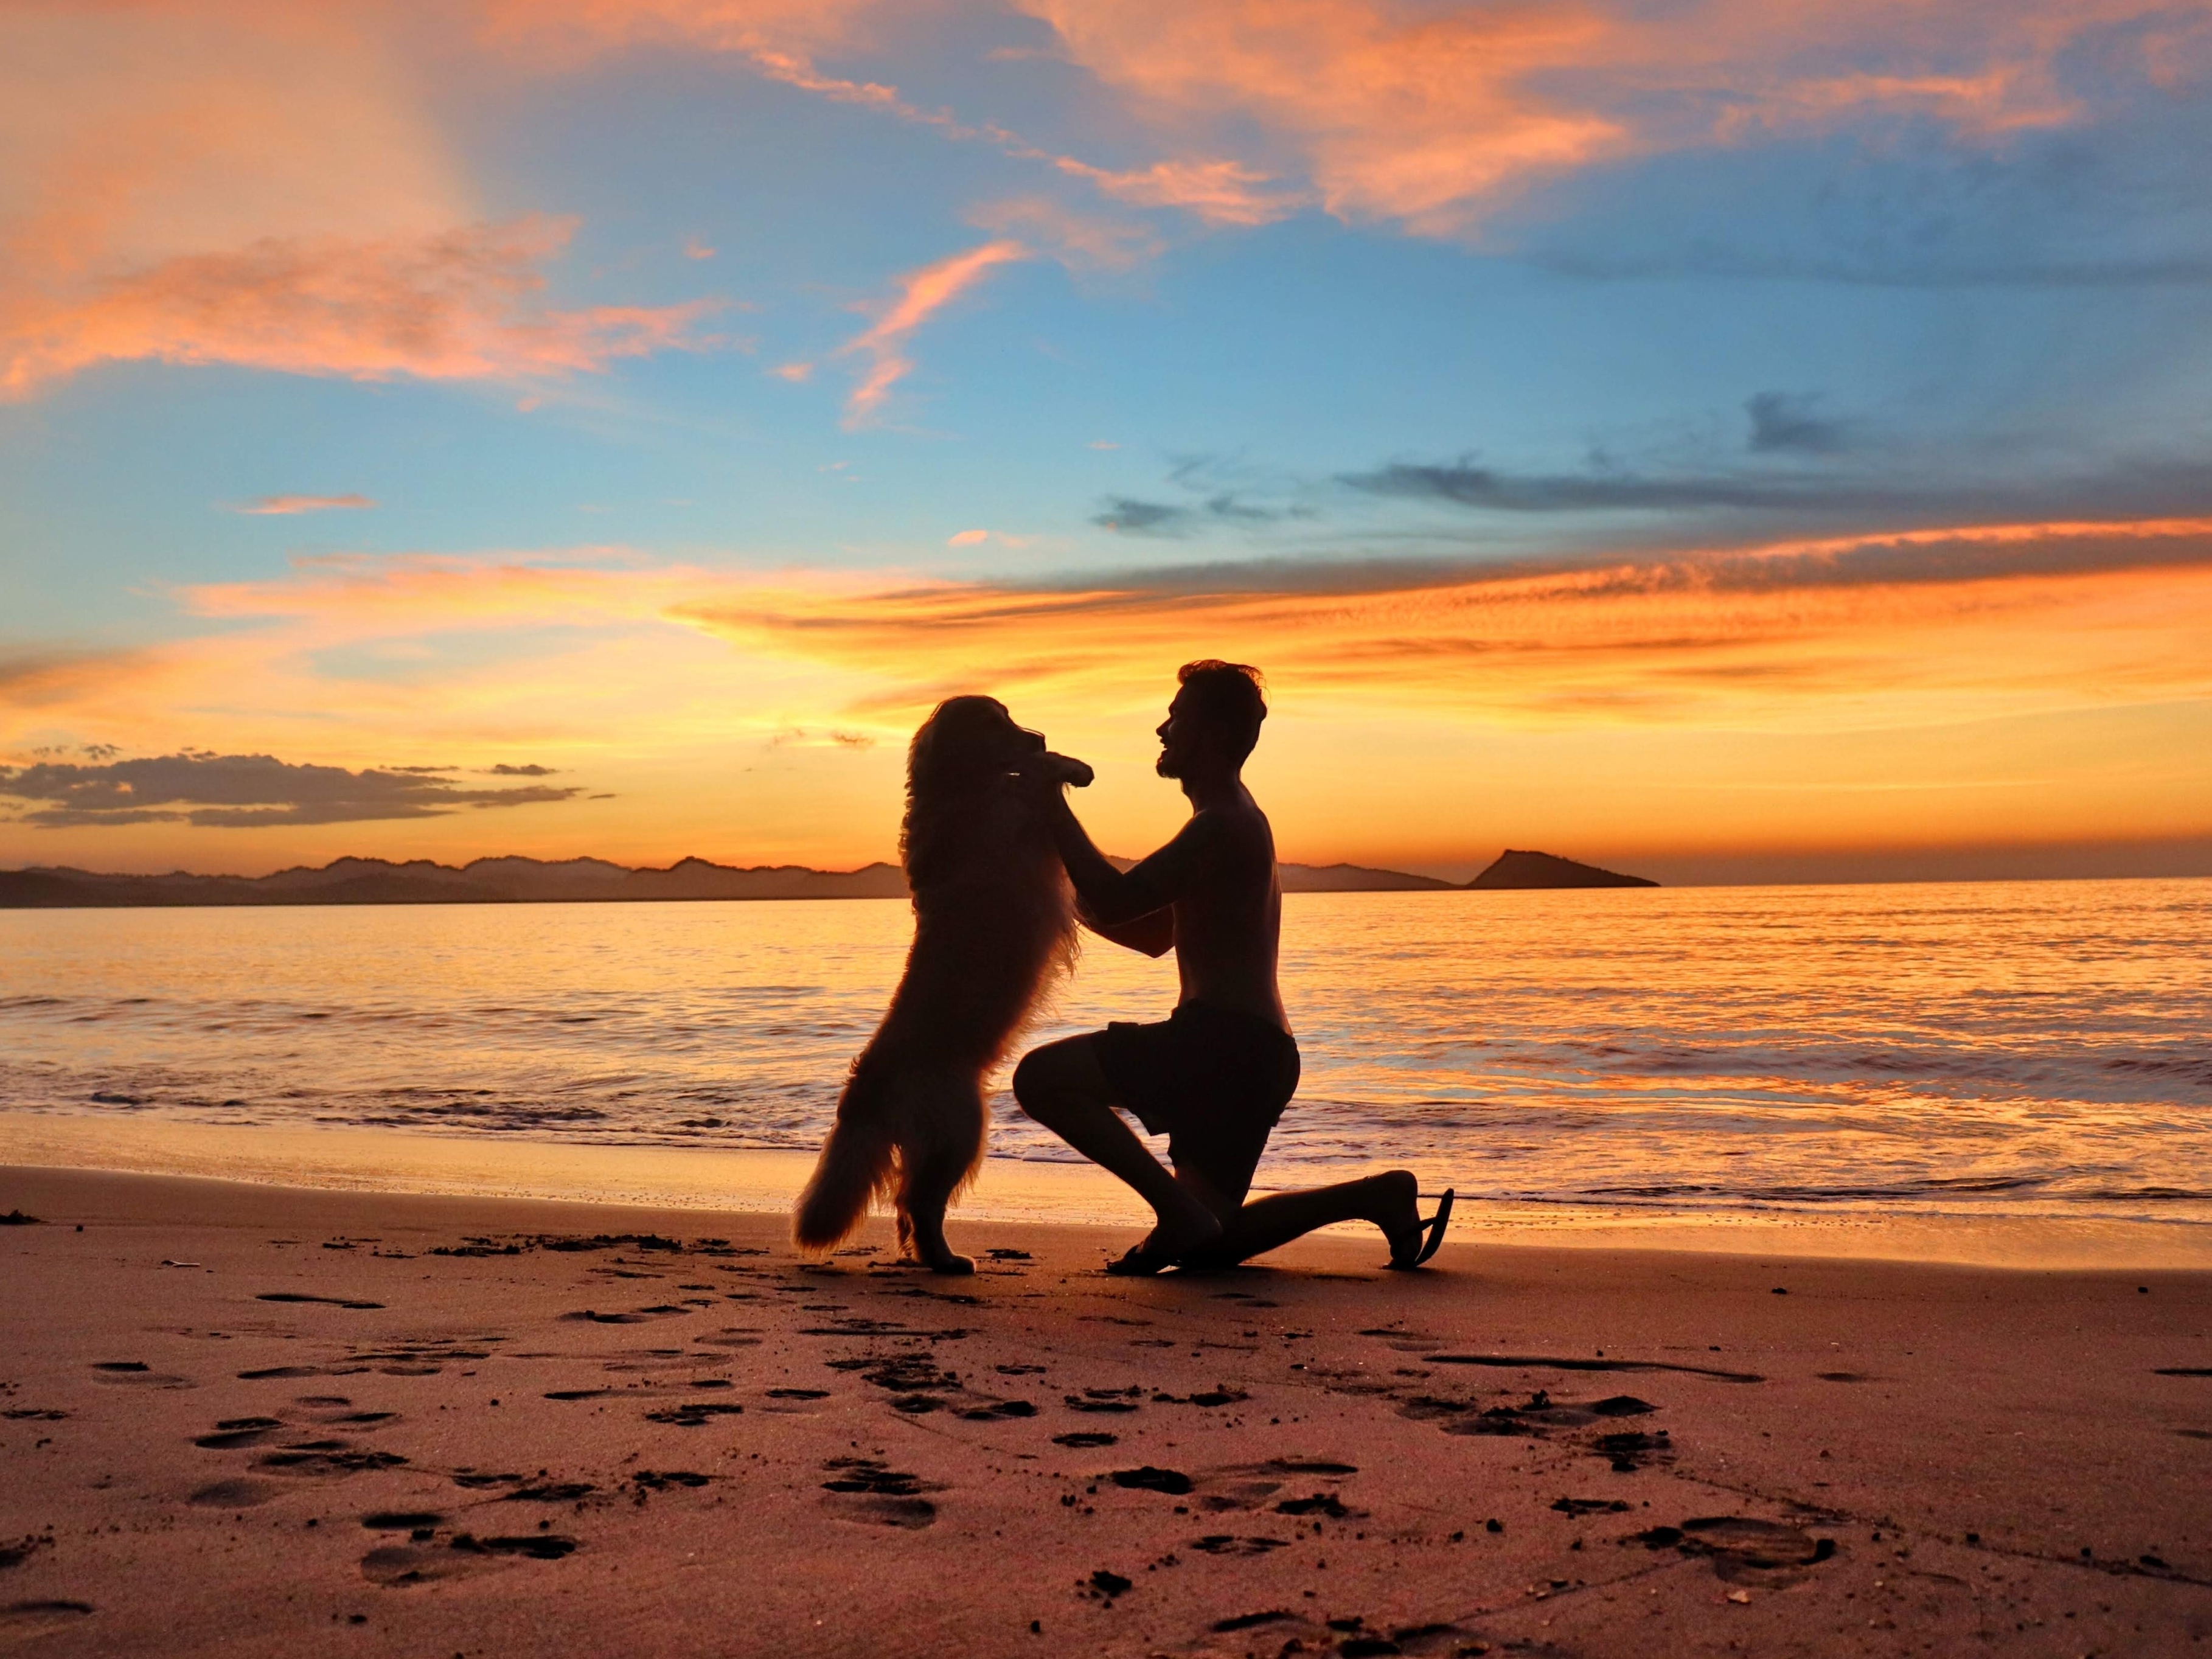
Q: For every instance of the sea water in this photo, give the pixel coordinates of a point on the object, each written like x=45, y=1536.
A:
x=2013, y=1049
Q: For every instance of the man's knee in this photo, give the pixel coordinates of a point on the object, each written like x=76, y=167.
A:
x=1033, y=1089
x=1053, y=1076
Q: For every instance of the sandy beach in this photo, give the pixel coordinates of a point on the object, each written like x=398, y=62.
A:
x=254, y=1419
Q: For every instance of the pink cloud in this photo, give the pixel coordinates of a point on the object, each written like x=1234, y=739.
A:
x=459, y=305
x=1433, y=115
x=1078, y=240
x=279, y=506
x=231, y=182
x=921, y=293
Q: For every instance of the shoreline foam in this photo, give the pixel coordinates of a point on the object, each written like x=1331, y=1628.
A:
x=766, y=1181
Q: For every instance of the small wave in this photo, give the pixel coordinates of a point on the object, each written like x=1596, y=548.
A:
x=1807, y=1192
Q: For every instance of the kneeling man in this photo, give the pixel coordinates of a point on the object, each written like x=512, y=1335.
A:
x=1215, y=1075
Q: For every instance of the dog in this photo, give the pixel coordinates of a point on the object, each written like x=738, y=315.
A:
x=995, y=927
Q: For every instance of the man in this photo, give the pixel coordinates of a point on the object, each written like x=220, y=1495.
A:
x=1215, y=1077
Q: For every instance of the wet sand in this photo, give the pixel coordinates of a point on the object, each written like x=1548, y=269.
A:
x=255, y=1420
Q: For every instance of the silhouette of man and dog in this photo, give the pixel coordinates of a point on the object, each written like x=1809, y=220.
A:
x=1002, y=872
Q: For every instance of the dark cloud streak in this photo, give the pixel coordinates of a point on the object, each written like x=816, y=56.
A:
x=247, y=792
x=1464, y=483
x=1781, y=421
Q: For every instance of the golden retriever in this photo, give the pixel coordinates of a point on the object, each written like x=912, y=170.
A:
x=994, y=925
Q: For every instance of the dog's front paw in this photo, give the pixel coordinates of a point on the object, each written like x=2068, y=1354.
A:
x=1065, y=768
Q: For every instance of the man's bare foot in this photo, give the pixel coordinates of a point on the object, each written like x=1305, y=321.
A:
x=1164, y=1245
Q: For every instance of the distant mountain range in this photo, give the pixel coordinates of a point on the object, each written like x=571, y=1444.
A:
x=525, y=881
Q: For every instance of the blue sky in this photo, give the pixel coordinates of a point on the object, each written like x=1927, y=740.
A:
x=1264, y=305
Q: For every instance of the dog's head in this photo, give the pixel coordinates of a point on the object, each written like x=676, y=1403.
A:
x=968, y=742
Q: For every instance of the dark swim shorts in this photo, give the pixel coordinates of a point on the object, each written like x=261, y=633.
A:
x=1214, y=1080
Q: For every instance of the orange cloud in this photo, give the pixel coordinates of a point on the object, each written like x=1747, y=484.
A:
x=1925, y=625
x=1922, y=624
x=2002, y=681
x=229, y=183
x=919, y=295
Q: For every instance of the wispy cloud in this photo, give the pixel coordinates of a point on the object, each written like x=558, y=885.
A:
x=283, y=506
x=1080, y=241
x=1222, y=192
x=246, y=791
x=1131, y=515
x=1465, y=483
x=917, y=296
x=458, y=305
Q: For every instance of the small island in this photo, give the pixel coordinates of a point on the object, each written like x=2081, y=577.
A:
x=1514, y=869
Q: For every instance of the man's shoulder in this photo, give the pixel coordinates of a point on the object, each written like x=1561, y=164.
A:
x=1241, y=827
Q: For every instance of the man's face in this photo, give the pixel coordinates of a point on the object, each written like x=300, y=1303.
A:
x=1179, y=738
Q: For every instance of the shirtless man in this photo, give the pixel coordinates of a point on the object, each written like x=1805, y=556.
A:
x=1216, y=1075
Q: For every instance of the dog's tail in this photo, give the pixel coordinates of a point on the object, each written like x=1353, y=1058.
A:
x=855, y=1165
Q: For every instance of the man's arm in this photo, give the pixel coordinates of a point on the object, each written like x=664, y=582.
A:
x=1153, y=935
x=1111, y=897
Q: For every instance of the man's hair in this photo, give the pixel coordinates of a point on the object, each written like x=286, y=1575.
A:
x=1227, y=698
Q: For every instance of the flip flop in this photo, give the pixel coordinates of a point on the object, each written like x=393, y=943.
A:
x=1436, y=1224
x=1432, y=1233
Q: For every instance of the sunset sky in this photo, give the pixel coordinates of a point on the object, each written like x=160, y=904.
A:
x=1727, y=438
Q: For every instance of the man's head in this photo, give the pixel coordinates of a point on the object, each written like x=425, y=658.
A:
x=1215, y=719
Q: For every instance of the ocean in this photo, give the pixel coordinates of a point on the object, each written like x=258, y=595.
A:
x=2003, y=1049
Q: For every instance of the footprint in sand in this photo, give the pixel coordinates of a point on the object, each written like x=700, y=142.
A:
x=326, y=1460
x=395, y=1566
x=863, y=1490
x=401, y=1520
x=1742, y=1549
x=662, y=1480
x=635, y=1317
x=1174, y=1482
x=694, y=1413
x=1247, y=1486
x=233, y=1432
x=136, y=1373
x=1221, y=1543
x=241, y=1494
x=38, y=1618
